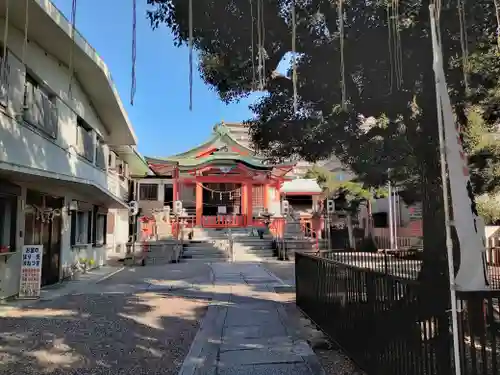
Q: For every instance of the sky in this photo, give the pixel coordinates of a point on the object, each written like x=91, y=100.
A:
x=161, y=117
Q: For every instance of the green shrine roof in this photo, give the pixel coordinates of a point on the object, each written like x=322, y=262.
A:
x=220, y=149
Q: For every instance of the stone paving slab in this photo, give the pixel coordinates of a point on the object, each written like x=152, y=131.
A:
x=248, y=331
x=265, y=369
x=258, y=357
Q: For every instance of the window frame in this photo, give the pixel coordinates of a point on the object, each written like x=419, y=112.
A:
x=12, y=231
x=80, y=227
x=82, y=124
x=145, y=197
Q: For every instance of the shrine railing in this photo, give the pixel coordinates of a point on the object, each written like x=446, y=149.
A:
x=223, y=221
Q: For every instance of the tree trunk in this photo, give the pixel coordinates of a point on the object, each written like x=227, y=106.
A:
x=434, y=283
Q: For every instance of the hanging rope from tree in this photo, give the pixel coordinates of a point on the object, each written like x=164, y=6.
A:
x=395, y=47
x=72, y=50
x=252, y=46
x=294, y=58
x=260, y=44
x=497, y=9
x=391, y=53
x=5, y=37
x=190, y=55
x=463, y=42
x=342, y=63
x=25, y=41
x=134, y=50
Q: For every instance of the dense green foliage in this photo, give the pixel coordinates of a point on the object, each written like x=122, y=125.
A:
x=398, y=92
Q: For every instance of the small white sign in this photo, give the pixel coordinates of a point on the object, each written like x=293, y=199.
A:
x=221, y=210
x=31, y=271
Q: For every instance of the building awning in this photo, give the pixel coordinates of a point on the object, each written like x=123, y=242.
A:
x=79, y=189
x=301, y=186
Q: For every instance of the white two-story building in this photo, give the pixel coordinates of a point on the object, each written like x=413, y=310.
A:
x=65, y=154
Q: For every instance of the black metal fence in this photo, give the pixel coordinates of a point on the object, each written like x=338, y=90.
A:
x=392, y=324
x=405, y=264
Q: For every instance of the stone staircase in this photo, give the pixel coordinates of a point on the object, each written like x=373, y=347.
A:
x=212, y=245
x=206, y=245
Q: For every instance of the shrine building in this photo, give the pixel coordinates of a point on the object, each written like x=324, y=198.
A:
x=223, y=183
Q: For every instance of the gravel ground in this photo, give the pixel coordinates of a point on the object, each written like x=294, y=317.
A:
x=146, y=332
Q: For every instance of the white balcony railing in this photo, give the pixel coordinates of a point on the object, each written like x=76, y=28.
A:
x=118, y=187
x=40, y=111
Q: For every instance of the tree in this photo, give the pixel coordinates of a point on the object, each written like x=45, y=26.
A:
x=393, y=84
x=351, y=194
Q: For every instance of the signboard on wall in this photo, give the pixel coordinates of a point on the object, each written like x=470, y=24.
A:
x=31, y=271
x=221, y=210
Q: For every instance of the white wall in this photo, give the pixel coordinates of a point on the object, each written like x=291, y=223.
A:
x=382, y=205
x=25, y=149
x=25, y=146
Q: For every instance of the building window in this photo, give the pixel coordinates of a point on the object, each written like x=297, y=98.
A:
x=81, y=223
x=84, y=140
x=100, y=156
x=8, y=216
x=4, y=78
x=148, y=192
x=40, y=108
x=100, y=229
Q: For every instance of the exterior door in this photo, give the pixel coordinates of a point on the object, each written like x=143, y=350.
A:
x=44, y=232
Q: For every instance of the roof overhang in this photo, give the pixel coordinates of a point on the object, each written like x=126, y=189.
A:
x=301, y=186
x=60, y=185
x=49, y=29
x=137, y=164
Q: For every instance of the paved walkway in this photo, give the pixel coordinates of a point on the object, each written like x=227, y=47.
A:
x=246, y=329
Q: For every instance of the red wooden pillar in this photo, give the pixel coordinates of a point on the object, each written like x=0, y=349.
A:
x=244, y=202
x=249, y=208
x=199, y=203
x=175, y=186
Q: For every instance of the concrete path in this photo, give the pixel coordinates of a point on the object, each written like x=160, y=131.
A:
x=246, y=329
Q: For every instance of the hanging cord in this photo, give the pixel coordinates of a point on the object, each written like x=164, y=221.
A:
x=72, y=50
x=497, y=9
x=259, y=46
x=252, y=46
x=263, y=33
x=342, y=64
x=190, y=55
x=391, y=53
x=398, y=47
x=5, y=37
x=134, y=50
x=25, y=41
x=463, y=42
x=294, y=59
